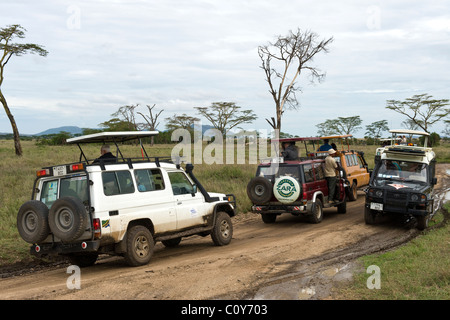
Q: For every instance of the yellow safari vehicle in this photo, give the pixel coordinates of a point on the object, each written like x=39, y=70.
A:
x=351, y=161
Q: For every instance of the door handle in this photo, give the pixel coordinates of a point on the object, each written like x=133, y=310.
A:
x=179, y=202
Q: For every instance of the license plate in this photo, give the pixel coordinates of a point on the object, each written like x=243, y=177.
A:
x=59, y=171
x=376, y=206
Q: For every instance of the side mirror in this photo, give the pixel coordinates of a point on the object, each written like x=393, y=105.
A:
x=194, y=190
x=434, y=181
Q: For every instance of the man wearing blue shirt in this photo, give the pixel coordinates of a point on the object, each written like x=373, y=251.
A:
x=325, y=146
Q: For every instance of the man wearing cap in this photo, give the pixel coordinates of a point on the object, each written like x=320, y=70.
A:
x=330, y=174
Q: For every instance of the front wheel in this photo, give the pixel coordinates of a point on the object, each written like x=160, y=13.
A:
x=369, y=216
x=422, y=222
x=222, y=230
x=140, y=245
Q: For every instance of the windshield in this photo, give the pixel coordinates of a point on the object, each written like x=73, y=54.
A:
x=401, y=171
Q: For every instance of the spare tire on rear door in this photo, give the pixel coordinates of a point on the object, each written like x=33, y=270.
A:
x=259, y=190
x=286, y=189
x=68, y=218
x=32, y=221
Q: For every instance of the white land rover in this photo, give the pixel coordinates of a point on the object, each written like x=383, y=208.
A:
x=120, y=206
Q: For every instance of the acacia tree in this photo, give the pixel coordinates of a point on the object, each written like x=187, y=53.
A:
x=9, y=49
x=152, y=120
x=340, y=126
x=291, y=55
x=225, y=116
x=421, y=109
x=375, y=129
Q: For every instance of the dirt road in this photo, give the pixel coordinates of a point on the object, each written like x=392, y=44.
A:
x=290, y=259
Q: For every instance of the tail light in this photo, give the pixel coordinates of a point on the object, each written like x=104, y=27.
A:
x=97, y=228
x=43, y=173
x=76, y=167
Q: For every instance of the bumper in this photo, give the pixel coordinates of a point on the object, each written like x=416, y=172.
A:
x=279, y=209
x=64, y=248
x=406, y=209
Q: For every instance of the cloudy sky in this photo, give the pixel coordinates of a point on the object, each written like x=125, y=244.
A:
x=185, y=54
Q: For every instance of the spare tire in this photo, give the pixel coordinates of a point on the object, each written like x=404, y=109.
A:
x=68, y=218
x=259, y=190
x=32, y=221
x=286, y=189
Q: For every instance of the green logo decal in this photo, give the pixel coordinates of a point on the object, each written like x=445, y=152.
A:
x=286, y=188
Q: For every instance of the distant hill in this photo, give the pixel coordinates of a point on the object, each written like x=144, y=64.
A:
x=70, y=129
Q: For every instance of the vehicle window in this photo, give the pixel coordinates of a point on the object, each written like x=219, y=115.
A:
x=49, y=192
x=117, y=182
x=149, y=180
x=180, y=183
x=277, y=171
x=318, y=171
x=308, y=171
x=358, y=161
x=74, y=187
x=349, y=160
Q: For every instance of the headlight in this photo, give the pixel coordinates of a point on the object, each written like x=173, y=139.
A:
x=379, y=193
x=376, y=193
x=418, y=197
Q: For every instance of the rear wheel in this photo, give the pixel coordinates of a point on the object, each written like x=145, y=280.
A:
x=140, y=246
x=316, y=212
x=171, y=242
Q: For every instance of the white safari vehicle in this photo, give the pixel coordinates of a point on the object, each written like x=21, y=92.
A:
x=402, y=181
x=120, y=206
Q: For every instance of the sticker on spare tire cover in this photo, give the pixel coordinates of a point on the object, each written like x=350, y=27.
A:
x=286, y=189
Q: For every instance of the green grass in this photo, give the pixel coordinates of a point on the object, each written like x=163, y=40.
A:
x=418, y=270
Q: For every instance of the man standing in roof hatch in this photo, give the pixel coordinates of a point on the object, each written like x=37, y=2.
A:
x=290, y=151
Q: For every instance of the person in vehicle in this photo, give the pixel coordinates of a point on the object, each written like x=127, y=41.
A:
x=330, y=174
x=326, y=146
x=290, y=151
x=106, y=155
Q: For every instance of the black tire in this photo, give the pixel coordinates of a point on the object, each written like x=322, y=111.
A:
x=171, y=242
x=342, y=208
x=222, y=231
x=259, y=190
x=268, y=217
x=83, y=260
x=32, y=221
x=370, y=217
x=422, y=222
x=68, y=218
x=140, y=246
x=316, y=212
x=353, y=192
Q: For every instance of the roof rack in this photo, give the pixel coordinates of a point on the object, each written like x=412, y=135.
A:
x=117, y=137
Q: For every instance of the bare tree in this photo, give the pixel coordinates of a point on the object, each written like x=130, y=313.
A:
x=293, y=54
x=152, y=120
x=421, y=109
x=225, y=116
x=9, y=49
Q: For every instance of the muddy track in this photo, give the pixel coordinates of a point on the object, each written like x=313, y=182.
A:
x=290, y=259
